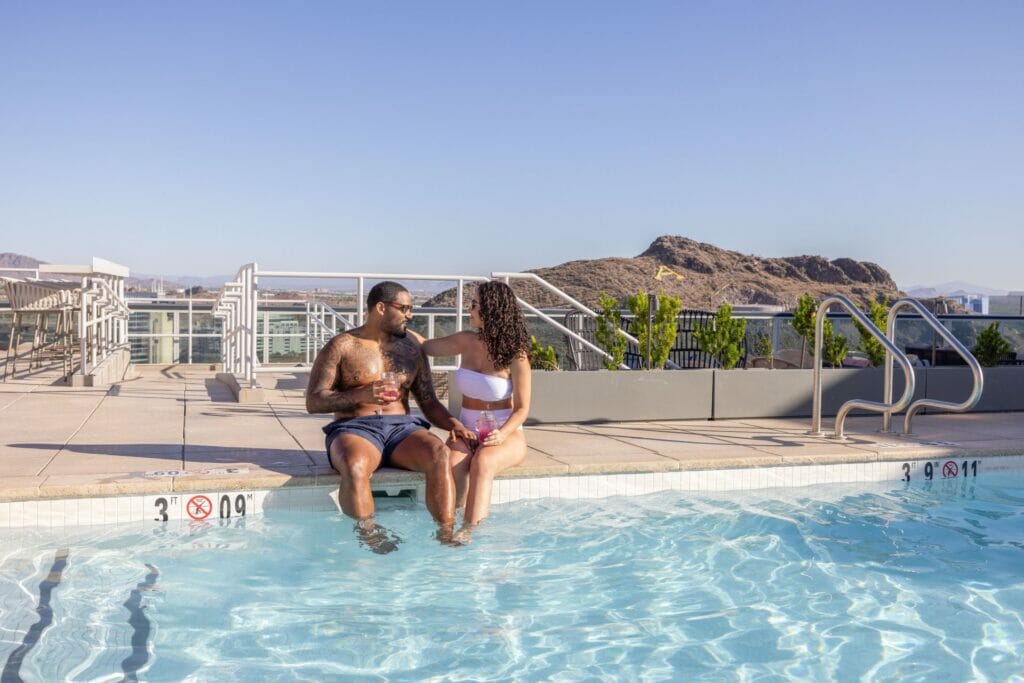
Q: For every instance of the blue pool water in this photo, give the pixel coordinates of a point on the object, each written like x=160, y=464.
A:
x=833, y=582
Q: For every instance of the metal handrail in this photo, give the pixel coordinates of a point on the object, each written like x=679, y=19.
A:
x=900, y=357
x=239, y=331
x=102, y=319
x=236, y=305
x=972, y=363
x=346, y=323
x=315, y=311
x=569, y=300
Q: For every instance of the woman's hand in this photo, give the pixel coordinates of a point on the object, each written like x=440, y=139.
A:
x=495, y=438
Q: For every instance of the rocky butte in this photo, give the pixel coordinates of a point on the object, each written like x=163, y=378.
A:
x=704, y=276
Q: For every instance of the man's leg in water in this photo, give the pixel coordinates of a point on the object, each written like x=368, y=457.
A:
x=355, y=459
x=421, y=451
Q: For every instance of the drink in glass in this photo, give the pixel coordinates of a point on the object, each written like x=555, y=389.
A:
x=485, y=424
x=389, y=386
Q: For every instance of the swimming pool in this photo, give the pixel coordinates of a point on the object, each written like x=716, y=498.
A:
x=919, y=581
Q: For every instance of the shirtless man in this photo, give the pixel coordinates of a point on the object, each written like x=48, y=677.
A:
x=370, y=431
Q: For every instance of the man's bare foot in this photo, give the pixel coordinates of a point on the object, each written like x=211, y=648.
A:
x=376, y=538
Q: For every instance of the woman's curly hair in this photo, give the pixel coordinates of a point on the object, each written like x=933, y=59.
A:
x=504, y=331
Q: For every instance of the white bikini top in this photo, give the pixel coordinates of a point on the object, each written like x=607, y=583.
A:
x=481, y=386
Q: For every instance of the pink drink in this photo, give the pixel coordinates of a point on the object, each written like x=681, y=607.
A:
x=485, y=424
x=389, y=387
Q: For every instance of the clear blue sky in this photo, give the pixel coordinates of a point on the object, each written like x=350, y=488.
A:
x=192, y=137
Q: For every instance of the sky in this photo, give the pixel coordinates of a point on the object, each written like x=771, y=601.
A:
x=189, y=138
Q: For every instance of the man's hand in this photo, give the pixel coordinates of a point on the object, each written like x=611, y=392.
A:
x=459, y=431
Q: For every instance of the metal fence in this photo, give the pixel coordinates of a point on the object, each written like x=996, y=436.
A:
x=163, y=331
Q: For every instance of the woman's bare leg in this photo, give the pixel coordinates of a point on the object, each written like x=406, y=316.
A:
x=485, y=464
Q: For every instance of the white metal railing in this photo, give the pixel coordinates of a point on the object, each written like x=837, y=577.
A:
x=321, y=325
x=892, y=352
x=102, y=320
x=533, y=277
x=102, y=314
x=972, y=362
x=237, y=306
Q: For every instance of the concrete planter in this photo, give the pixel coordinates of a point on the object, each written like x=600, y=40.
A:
x=605, y=396
x=613, y=396
x=787, y=393
x=1004, y=387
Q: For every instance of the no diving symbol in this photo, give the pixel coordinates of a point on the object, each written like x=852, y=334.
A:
x=200, y=507
x=950, y=469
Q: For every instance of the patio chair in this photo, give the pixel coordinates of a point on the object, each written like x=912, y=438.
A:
x=35, y=301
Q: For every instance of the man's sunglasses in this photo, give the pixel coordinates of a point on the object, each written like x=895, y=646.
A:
x=406, y=309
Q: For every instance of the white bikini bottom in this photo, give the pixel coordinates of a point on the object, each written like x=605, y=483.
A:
x=468, y=417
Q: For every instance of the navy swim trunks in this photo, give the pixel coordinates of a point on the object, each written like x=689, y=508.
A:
x=383, y=431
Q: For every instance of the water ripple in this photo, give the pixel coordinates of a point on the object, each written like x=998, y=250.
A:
x=919, y=583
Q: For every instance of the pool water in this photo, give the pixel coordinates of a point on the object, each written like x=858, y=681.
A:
x=832, y=582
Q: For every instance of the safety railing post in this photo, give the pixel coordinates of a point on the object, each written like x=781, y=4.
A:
x=253, y=312
x=845, y=408
x=83, y=330
x=361, y=299
x=937, y=327
x=819, y=324
x=307, y=332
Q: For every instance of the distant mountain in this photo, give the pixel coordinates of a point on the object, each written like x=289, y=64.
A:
x=955, y=288
x=11, y=260
x=705, y=276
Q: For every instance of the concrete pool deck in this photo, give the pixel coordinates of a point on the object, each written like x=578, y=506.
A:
x=177, y=429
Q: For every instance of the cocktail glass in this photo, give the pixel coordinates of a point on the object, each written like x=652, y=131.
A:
x=485, y=424
x=389, y=386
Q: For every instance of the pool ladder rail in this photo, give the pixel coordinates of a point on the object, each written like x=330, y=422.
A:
x=887, y=407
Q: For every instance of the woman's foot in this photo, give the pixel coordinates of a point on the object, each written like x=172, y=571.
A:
x=464, y=536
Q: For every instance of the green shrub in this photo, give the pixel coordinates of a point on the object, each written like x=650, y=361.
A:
x=722, y=338
x=803, y=323
x=542, y=357
x=991, y=347
x=834, y=347
x=609, y=320
x=663, y=336
x=879, y=315
x=763, y=347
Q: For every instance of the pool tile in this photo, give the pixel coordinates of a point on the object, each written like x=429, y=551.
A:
x=594, y=463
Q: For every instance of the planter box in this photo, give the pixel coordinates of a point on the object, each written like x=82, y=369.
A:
x=1004, y=387
x=605, y=396
x=613, y=396
x=787, y=393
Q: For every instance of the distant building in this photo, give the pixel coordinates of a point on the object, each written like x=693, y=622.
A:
x=287, y=340
x=1009, y=304
x=975, y=303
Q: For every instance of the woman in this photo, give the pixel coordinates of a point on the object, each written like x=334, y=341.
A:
x=494, y=377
